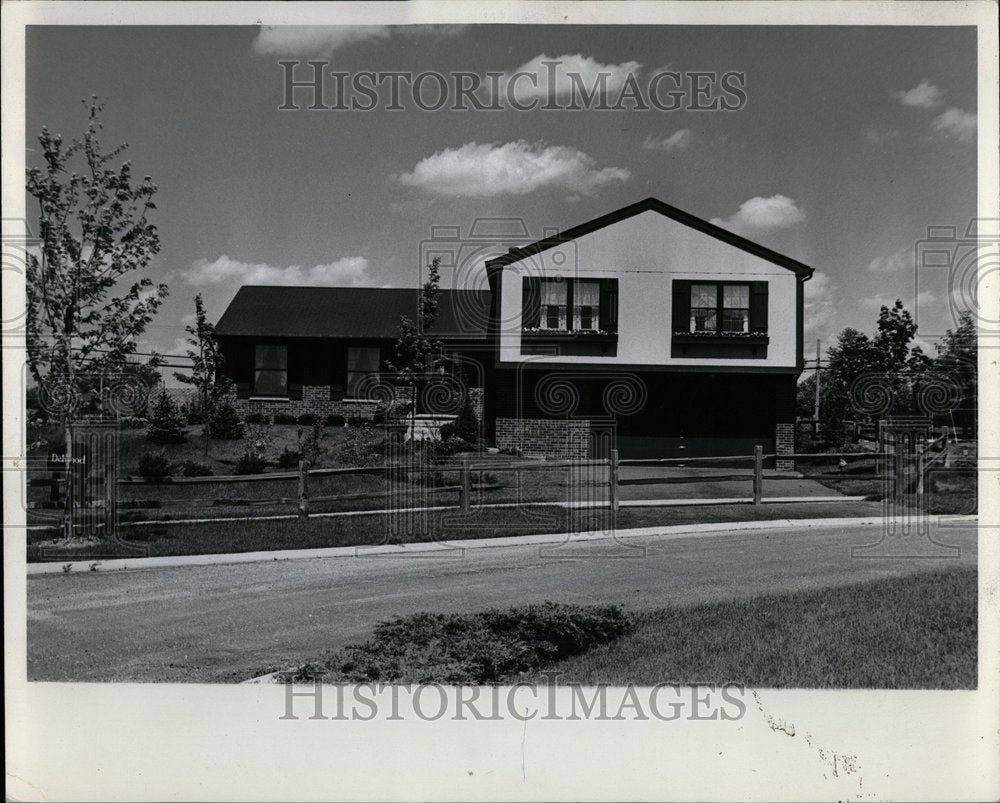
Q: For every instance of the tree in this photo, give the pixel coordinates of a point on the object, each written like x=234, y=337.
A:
x=418, y=356
x=206, y=359
x=957, y=359
x=166, y=424
x=86, y=308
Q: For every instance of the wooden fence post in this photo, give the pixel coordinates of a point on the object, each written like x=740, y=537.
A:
x=466, y=490
x=758, y=474
x=303, y=490
x=613, y=481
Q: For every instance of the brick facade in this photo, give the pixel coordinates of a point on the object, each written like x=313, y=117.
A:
x=784, y=443
x=545, y=437
x=316, y=400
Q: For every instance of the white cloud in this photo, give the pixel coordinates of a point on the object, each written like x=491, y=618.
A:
x=346, y=272
x=893, y=262
x=818, y=309
x=567, y=75
x=515, y=168
x=323, y=40
x=677, y=141
x=924, y=95
x=760, y=214
x=924, y=297
x=955, y=124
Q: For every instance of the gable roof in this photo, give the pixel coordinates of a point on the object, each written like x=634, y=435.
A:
x=349, y=312
x=653, y=204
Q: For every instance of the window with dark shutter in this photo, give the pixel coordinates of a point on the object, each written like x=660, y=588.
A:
x=681, y=308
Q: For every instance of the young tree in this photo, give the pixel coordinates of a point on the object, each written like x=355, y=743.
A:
x=206, y=359
x=86, y=308
x=166, y=424
x=418, y=355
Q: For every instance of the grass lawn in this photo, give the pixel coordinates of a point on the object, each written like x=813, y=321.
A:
x=916, y=632
x=252, y=536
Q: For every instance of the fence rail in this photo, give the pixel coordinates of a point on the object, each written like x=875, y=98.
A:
x=463, y=484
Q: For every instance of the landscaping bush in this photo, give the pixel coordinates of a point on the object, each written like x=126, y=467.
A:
x=362, y=446
x=223, y=422
x=166, y=425
x=306, y=419
x=494, y=646
x=250, y=462
x=465, y=426
x=257, y=418
x=335, y=420
x=310, y=444
x=192, y=468
x=284, y=418
x=289, y=458
x=357, y=421
x=154, y=466
x=133, y=422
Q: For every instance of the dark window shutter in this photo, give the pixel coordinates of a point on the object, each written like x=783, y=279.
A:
x=609, y=305
x=681, y=295
x=531, y=302
x=295, y=390
x=242, y=390
x=758, y=306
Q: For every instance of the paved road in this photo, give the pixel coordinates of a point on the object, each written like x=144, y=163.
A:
x=230, y=622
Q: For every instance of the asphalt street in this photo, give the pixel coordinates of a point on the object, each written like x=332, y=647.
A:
x=226, y=623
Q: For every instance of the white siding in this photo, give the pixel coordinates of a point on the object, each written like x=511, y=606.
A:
x=645, y=253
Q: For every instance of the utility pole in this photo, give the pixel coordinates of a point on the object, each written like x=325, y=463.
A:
x=816, y=403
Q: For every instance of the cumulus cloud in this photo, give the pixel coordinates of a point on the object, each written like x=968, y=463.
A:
x=346, y=272
x=955, y=124
x=818, y=307
x=515, y=168
x=677, y=141
x=892, y=262
x=762, y=214
x=323, y=40
x=924, y=95
x=548, y=78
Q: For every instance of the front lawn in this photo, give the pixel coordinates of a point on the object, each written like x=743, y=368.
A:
x=916, y=632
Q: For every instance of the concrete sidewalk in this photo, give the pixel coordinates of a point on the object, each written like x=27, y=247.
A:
x=428, y=548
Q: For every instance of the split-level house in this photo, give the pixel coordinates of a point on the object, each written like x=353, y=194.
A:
x=648, y=330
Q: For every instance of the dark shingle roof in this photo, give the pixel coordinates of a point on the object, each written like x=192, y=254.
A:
x=348, y=312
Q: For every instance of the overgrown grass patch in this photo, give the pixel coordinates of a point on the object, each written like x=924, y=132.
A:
x=492, y=646
x=915, y=632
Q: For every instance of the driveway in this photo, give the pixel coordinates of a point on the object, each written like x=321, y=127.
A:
x=226, y=623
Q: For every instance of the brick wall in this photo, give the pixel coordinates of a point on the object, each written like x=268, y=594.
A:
x=545, y=437
x=784, y=443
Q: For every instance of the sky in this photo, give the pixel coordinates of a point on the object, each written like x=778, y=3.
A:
x=851, y=143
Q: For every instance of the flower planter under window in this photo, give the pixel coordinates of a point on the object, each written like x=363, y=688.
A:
x=713, y=345
x=584, y=343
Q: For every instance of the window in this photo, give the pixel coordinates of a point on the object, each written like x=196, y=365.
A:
x=270, y=371
x=361, y=364
x=720, y=308
x=736, y=308
x=704, y=307
x=553, y=304
x=586, y=306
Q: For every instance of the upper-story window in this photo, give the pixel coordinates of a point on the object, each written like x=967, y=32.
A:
x=270, y=376
x=720, y=308
x=569, y=305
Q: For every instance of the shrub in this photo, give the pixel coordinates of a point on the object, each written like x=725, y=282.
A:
x=289, y=458
x=166, y=424
x=335, y=420
x=284, y=418
x=362, y=446
x=310, y=445
x=192, y=468
x=154, y=466
x=465, y=425
x=223, y=422
x=256, y=418
x=133, y=422
x=250, y=462
x=357, y=421
x=494, y=646
x=306, y=419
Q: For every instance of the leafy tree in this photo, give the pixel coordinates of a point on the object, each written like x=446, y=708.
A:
x=957, y=359
x=166, y=424
x=85, y=307
x=206, y=359
x=418, y=355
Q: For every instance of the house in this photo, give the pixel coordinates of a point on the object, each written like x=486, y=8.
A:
x=647, y=329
